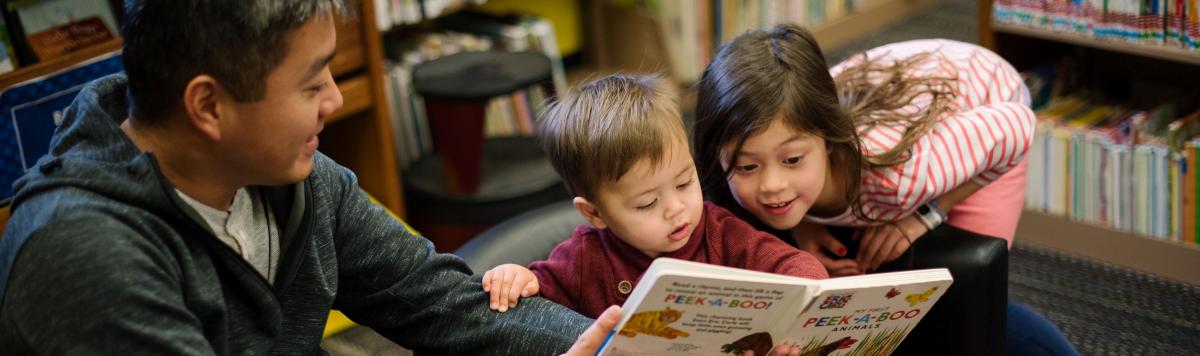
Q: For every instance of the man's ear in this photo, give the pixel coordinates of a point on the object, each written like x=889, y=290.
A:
x=203, y=98
x=589, y=212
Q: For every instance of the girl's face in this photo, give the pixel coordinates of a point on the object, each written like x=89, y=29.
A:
x=778, y=175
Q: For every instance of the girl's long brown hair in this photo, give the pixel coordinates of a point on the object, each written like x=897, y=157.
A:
x=782, y=71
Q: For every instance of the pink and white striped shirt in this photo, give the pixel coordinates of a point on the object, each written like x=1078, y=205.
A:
x=985, y=134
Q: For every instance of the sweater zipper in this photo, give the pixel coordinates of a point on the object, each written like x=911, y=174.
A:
x=211, y=238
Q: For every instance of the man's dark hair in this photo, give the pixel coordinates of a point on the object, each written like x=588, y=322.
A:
x=238, y=42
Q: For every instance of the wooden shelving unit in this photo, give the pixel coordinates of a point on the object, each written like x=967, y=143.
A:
x=1160, y=52
x=1026, y=46
x=359, y=135
x=872, y=16
x=1175, y=260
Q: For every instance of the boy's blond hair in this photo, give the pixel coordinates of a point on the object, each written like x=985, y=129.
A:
x=598, y=131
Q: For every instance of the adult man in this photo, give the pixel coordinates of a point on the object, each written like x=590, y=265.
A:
x=197, y=217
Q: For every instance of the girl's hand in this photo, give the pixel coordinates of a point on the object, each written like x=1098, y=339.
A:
x=817, y=240
x=885, y=243
x=507, y=283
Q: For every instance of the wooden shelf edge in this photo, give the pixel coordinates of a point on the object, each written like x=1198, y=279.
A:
x=4, y=211
x=1170, y=259
x=356, y=98
x=42, y=68
x=860, y=22
x=1160, y=52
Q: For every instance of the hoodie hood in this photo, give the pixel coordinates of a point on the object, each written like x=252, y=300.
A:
x=89, y=152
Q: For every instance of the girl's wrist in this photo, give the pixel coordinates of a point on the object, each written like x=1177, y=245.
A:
x=930, y=215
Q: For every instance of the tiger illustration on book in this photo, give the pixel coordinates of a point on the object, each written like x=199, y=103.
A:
x=654, y=323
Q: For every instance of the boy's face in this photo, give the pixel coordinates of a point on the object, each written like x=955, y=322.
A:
x=654, y=210
x=272, y=141
x=778, y=175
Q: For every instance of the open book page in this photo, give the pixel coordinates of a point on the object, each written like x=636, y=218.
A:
x=866, y=315
x=698, y=309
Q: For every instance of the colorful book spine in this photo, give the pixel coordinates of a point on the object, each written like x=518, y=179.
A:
x=1172, y=23
x=1086, y=165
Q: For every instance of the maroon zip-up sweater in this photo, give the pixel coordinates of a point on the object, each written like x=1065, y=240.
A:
x=585, y=272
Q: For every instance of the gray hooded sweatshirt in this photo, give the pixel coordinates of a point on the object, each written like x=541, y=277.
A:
x=101, y=257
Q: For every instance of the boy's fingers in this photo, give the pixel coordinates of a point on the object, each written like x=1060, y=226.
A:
x=504, y=290
x=496, y=281
x=487, y=281
x=530, y=290
x=515, y=292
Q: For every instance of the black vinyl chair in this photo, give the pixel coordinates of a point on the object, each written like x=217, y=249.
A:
x=968, y=320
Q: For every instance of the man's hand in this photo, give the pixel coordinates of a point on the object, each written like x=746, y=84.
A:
x=885, y=243
x=589, y=342
x=507, y=283
x=812, y=237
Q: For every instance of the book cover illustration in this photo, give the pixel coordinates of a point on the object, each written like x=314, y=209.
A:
x=689, y=308
x=698, y=316
x=54, y=28
x=863, y=321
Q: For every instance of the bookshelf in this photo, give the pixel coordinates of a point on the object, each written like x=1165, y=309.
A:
x=623, y=38
x=1159, y=52
x=358, y=135
x=1027, y=46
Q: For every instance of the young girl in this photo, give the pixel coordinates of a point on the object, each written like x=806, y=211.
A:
x=897, y=140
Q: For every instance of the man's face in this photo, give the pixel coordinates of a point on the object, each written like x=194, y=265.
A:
x=272, y=141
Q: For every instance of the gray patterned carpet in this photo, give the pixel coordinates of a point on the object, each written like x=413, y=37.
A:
x=1102, y=309
x=1105, y=309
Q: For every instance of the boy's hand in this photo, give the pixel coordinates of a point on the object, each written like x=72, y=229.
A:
x=885, y=243
x=816, y=240
x=507, y=283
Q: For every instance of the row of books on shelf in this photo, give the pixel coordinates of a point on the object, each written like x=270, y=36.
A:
x=32, y=31
x=1171, y=23
x=1132, y=169
x=393, y=13
x=694, y=29
x=506, y=115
